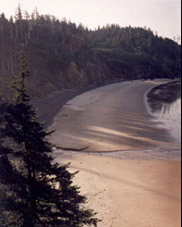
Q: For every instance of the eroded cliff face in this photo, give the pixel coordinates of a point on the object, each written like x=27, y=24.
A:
x=61, y=55
x=45, y=80
x=75, y=78
x=91, y=74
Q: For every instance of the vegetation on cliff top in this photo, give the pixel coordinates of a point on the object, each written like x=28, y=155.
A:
x=63, y=55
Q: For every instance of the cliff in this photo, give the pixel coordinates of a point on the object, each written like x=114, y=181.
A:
x=62, y=55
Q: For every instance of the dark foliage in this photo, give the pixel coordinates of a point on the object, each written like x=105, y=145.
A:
x=65, y=55
x=35, y=191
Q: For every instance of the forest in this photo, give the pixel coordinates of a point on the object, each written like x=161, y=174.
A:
x=39, y=55
x=64, y=55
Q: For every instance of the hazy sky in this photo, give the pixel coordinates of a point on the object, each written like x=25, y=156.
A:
x=163, y=16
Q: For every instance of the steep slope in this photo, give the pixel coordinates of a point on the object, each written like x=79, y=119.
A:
x=63, y=55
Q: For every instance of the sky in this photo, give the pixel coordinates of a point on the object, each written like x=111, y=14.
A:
x=162, y=16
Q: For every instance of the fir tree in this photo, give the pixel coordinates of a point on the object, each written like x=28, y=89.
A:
x=45, y=195
x=9, y=177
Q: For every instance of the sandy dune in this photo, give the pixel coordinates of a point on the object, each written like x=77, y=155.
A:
x=143, y=192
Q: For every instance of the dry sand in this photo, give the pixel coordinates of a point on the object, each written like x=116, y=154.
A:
x=130, y=193
x=124, y=192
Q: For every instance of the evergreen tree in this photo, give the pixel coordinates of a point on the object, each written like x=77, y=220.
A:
x=9, y=177
x=18, y=15
x=44, y=194
x=120, y=53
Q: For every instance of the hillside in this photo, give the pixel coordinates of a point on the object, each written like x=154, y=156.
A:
x=63, y=55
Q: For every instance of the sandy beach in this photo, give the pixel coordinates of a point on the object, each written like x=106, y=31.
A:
x=139, y=187
x=112, y=118
x=130, y=193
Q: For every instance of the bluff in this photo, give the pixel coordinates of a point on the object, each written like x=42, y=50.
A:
x=62, y=55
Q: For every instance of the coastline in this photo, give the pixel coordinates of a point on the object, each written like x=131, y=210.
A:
x=83, y=123
x=166, y=108
x=164, y=93
x=126, y=188
x=56, y=101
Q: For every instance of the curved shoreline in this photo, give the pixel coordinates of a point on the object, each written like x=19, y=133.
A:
x=76, y=129
x=157, y=103
x=166, y=92
x=116, y=188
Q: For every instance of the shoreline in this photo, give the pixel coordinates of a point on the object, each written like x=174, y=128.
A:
x=131, y=189
x=60, y=98
x=166, y=110
x=165, y=92
x=78, y=106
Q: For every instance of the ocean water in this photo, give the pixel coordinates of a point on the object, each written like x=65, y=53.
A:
x=169, y=117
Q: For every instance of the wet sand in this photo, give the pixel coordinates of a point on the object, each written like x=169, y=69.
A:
x=139, y=187
x=111, y=118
